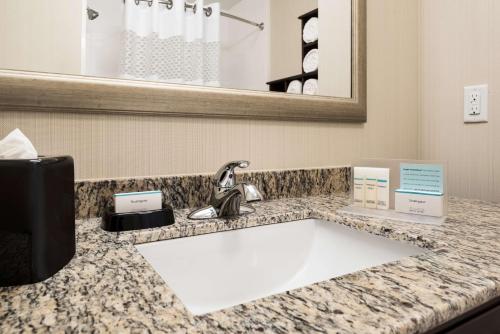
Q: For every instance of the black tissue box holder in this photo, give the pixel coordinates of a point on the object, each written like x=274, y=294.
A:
x=131, y=221
x=37, y=218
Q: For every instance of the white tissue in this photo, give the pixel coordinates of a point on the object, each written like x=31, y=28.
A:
x=17, y=146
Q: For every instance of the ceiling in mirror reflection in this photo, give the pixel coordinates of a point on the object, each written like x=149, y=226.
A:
x=299, y=46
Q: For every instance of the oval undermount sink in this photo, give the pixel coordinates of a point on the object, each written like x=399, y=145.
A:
x=216, y=271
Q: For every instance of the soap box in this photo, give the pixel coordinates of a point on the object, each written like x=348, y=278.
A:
x=420, y=203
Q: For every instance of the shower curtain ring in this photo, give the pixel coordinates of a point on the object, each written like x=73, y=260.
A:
x=208, y=11
x=192, y=6
x=170, y=4
x=150, y=2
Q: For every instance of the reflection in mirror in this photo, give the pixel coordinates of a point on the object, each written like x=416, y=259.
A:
x=298, y=46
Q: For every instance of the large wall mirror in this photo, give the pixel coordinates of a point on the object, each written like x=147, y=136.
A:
x=285, y=59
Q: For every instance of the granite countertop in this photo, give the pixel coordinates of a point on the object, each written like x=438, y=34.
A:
x=109, y=287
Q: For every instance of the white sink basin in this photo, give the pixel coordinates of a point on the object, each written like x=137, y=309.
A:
x=215, y=271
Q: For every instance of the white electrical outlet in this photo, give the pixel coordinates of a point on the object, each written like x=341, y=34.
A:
x=476, y=104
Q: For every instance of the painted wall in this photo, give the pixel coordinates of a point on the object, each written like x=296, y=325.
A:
x=335, y=47
x=124, y=146
x=460, y=46
x=245, y=49
x=43, y=36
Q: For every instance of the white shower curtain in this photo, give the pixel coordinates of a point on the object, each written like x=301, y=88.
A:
x=174, y=45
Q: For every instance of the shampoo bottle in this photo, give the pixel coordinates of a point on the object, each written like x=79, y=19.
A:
x=359, y=187
x=371, y=189
x=383, y=188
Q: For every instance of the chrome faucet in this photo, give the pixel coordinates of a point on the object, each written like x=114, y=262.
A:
x=227, y=194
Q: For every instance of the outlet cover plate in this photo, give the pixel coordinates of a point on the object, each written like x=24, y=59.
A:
x=476, y=104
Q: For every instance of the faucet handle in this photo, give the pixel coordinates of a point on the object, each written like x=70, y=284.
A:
x=225, y=177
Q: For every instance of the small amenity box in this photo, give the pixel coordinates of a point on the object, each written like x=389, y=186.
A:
x=420, y=203
x=138, y=201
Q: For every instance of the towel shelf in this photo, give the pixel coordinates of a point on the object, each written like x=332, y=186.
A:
x=281, y=85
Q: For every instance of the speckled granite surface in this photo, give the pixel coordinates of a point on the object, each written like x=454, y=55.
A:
x=109, y=287
x=191, y=191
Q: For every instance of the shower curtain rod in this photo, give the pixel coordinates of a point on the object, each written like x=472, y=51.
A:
x=234, y=17
x=207, y=10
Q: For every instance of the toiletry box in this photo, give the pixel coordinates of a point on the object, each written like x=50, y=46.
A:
x=420, y=203
x=37, y=218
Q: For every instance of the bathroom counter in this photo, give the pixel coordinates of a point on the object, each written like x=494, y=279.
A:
x=109, y=287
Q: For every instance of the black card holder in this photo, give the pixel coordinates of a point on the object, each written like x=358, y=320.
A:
x=120, y=222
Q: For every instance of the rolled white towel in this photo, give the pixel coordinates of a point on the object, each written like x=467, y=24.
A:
x=295, y=87
x=311, y=87
x=310, y=33
x=311, y=61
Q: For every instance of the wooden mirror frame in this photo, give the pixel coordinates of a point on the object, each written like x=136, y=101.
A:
x=33, y=91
